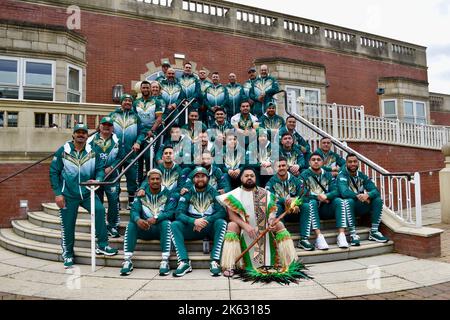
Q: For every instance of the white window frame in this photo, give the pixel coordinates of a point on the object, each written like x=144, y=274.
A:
x=21, y=74
x=415, y=102
x=302, y=91
x=80, y=84
x=384, y=110
x=18, y=71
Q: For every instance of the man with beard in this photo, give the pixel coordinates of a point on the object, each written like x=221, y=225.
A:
x=236, y=95
x=216, y=96
x=298, y=139
x=150, y=220
x=245, y=123
x=172, y=94
x=204, y=84
x=251, y=210
x=199, y=215
x=106, y=144
x=332, y=161
x=190, y=86
x=73, y=163
x=231, y=159
x=217, y=130
x=163, y=73
x=263, y=90
x=261, y=156
x=270, y=120
x=249, y=84
x=190, y=130
x=178, y=141
x=363, y=198
x=292, y=153
x=322, y=202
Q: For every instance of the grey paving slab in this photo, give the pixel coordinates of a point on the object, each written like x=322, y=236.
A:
x=177, y=295
x=45, y=277
x=6, y=269
x=336, y=266
x=84, y=293
x=58, y=267
x=347, y=276
x=237, y=284
x=386, y=259
x=138, y=273
x=187, y=285
x=22, y=287
x=26, y=262
x=111, y=283
x=309, y=292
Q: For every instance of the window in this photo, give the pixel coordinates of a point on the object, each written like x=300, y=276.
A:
x=13, y=119
x=414, y=111
x=390, y=109
x=27, y=79
x=74, y=83
x=309, y=95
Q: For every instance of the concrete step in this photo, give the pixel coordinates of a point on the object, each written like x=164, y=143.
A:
x=50, y=221
x=150, y=259
x=28, y=230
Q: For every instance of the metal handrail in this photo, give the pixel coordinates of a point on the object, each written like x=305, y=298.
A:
x=150, y=144
x=339, y=144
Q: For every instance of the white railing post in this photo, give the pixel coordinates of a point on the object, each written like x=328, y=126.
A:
x=418, y=198
x=152, y=154
x=398, y=131
x=92, y=189
x=363, y=123
x=422, y=135
x=334, y=112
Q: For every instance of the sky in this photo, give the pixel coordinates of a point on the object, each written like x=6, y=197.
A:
x=421, y=22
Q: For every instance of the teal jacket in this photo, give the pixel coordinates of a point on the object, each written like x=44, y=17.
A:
x=271, y=123
x=171, y=92
x=180, y=147
x=191, y=88
x=109, y=150
x=216, y=129
x=127, y=127
x=171, y=178
x=363, y=183
x=217, y=180
x=331, y=159
x=148, y=111
x=292, y=187
x=298, y=140
x=215, y=95
x=231, y=160
x=247, y=86
x=161, y=205
x=236, y=94
x=69, y=168
x=313, y=188
x=268, y=85
x=195, y=205
x=294, y=157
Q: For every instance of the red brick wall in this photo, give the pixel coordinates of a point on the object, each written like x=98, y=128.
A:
x=403, y=159
x=440, y=118
x=119, y=48
x=32, y=185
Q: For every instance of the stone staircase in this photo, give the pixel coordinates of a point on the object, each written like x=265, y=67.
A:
x=39, y=236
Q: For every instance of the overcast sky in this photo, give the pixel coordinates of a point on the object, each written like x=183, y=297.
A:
x=422, y=22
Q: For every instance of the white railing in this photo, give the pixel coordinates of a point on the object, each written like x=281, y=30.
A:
x=350, y=123
x=399, y=191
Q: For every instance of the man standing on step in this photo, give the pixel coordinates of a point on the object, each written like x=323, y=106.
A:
x=150, y=219
x=216, y=96
x=127, y=126
x=106, y=144
x=199, y=215
x=322, y=202
x=73, y=163
x=262, y=91
x=363, y=198
x=236, y=95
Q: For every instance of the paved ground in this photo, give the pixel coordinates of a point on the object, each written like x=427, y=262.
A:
x=390, y=276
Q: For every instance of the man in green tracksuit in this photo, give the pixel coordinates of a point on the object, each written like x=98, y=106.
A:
x=231, y=159
x=293, y=154
x=190, y=130
x=172, y=94
x=363, y=197
x=199, y=215
x=106, y=144
x=261, y=155
x=178, y=141
x=271, y=121
x=286, y=187
x=262, y=91
x=204, y=84
x=73, y=163
x=150, y=111
x=298, y=139
x=162, y=75
x=217, y=130
x=190, y=86
x=216, y=96
x=127, y=126
x=322, y=202
x=249, y=84
x=332, y=161
x=236, y=94
x=150, y=219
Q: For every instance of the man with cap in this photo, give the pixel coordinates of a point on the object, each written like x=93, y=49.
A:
x=270, y=120
x=304, y=146
x=363, y=197
x=296, y=161
x=106, y=144
x=199, y=215
x=322, y=202
x=215, y=97
x=263, y=90
x=249, y=84
x=162, y=75
x=127, y=126
x=150, y=219
x=236, y=95
x=73, y=163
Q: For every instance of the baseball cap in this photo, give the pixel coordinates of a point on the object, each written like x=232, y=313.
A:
x=106, y=120
x=165, y=63
x=252, y=69
x=80, y=126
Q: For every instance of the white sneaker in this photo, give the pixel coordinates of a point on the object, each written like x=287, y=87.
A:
x=342, y=241
x=321, y=243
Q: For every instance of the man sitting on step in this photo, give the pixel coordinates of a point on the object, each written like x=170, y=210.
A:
x=323, y=202
x=150, y=220
x=199, y=215
x=363, y=197
x=73, y=163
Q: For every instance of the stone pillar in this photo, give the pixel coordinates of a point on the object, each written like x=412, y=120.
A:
x=444, y=184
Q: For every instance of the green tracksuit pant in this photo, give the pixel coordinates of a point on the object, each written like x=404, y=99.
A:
x=182, y=231
x=374, y=208
x=112, y=194
x=312, y=212
x=132, y=178
x=68, y=217
x=160, y=231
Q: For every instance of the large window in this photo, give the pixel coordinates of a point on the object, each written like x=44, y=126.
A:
x=390, y=109
x=9, y=119
x=27, y=79
x=74, y=84
x=414, y=111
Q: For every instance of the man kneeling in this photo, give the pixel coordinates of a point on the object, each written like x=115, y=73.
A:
x=251, y=210
x=150, y=220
